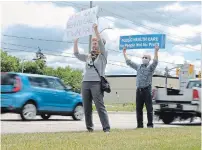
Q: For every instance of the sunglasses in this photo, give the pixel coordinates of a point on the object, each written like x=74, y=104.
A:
x=144, y=57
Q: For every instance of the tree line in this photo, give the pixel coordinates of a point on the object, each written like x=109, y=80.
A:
x=71, y=77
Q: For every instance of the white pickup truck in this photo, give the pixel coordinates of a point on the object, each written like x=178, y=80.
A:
x=169, y=104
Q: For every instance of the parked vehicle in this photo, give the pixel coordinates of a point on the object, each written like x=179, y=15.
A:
x=31, y=94
x=169, y=104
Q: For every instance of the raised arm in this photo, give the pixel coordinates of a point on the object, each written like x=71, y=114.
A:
x=100, y=42
x=155, y=61
x=81, y=57
x=128, y=61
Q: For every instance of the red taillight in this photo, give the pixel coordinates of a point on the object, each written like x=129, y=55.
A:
x=17, y=85
x=195, y=94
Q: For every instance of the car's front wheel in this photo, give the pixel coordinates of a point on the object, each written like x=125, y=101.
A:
x=45, y=116
x=78, y=112
x=28, y=111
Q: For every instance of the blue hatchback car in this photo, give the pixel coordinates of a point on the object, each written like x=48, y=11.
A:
x=31, y=94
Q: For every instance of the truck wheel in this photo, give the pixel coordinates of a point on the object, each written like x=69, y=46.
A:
x=167, y=119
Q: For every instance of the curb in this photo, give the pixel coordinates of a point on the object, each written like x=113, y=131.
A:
x=120, y=112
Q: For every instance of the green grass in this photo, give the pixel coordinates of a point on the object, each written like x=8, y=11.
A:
x=128, y=107
x=184, y=138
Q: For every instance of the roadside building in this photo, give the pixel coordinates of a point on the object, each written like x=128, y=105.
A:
x=124, y=87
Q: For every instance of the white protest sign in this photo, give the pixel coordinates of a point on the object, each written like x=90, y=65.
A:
x=81, y=24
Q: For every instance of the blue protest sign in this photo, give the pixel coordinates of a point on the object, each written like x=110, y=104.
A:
x=147, y=41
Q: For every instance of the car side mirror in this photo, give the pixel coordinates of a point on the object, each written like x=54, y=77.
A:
x=68, y=88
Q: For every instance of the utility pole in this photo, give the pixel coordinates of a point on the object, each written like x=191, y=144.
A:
x=90, y=37
x=22, y=65
x=23, y=61
x=166, y=71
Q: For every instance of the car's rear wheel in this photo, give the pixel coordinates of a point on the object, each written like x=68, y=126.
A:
x=28, y=111
x=45, y=116
x=78, y=112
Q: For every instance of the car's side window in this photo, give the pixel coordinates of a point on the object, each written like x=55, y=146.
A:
x=55, y=84
x=51, y=83
x=58, y=85
x=38, y=82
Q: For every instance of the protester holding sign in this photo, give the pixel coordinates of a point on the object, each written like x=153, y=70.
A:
x=143, y=83
x=91, y=87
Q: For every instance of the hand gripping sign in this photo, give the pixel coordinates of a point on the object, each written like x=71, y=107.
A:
x=81, y=24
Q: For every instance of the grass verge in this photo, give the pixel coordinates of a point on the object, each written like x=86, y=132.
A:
x=183, y=138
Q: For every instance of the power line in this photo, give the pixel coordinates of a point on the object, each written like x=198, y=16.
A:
x=19, y=45
x=130, y=9
x=145, y=33
x=164, y=15
x=144, y=14
x=43, y=49
x=67, y=56
x=141, y=57
x=72, y=42
x=74, y=57
x=133, y=22
x=66, y=41
x=71, y=53
x=154, y=10
x=144, y=26
x=39, y=39
x=12, y=50
x=48, y=40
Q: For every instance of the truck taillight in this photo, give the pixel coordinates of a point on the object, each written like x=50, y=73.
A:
x=195, y=94
x=17, y=85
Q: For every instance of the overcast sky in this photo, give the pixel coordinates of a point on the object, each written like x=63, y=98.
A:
x=180, y=21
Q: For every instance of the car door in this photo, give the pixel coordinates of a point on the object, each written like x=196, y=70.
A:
x=41, y=90
x=62, y=100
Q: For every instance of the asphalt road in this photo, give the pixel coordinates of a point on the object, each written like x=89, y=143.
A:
x=11, y=123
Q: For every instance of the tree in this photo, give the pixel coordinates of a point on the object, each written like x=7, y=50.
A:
x=69, y=76
x=40, y=55
x=40, y=60
x=49, y=71
x=9, y=63
x=41, y=64
x=32, y=67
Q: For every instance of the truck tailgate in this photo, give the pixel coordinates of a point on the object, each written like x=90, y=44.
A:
x=161, y=95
